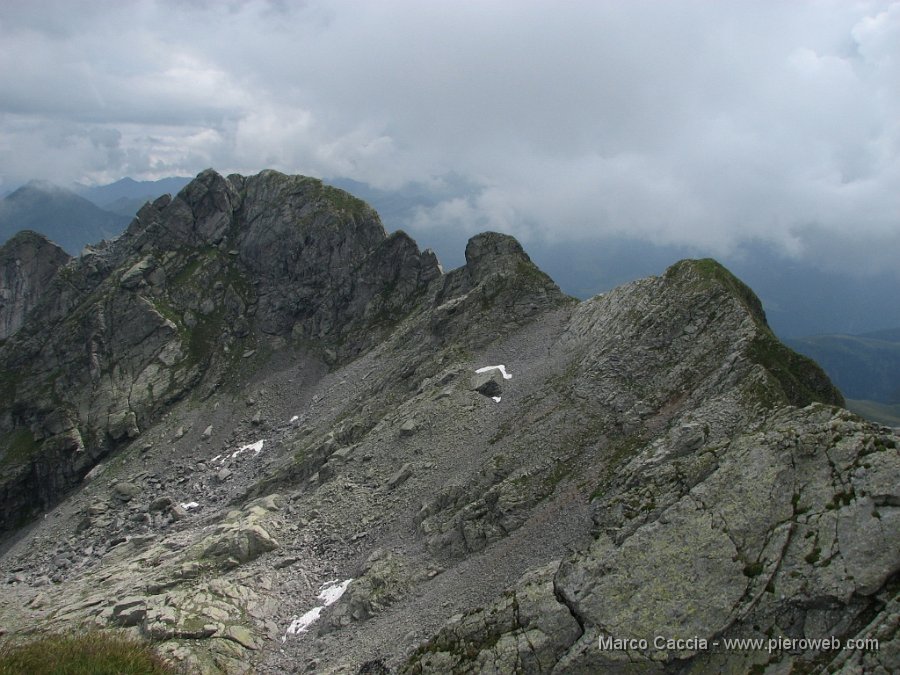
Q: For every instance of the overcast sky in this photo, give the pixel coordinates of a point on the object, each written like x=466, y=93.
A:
x=700, y=123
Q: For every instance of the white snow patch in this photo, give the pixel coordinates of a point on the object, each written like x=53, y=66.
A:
x=501, y=368
x=496, y=399
x=216, y=458
x=329, y=593
x=187, y=506
x=302, y=624
x=332, y=591
x=294, y=419
x=255, y=447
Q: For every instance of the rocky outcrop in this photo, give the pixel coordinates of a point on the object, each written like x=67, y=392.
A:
x=499, y=288
x=242, y=537
x=525, y=631
x=383, y=579
x=28, y=263
x=788, y=530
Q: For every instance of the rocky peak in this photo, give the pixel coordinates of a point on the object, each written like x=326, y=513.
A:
x=799, y=379
x=493, y=253
x=28, y=263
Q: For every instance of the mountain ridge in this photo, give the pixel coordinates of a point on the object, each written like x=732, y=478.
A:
x=262, y=391
x=368, y=281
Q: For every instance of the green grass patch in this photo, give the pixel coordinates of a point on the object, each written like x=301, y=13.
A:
x=801, y=378
x=91, y=653
x=712, y=271
x=343, y=201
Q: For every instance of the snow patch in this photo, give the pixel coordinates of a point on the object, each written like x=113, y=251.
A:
x=255, y=447
x=294, y=419
x=302, y=624
x=496, y=399
x=501, y=368
x=187, y=506
x=329, y=593
x=332, y=591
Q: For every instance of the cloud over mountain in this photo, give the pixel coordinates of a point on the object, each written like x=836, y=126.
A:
x=697, y=123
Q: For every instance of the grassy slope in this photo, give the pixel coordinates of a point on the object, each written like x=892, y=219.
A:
x=93, y=653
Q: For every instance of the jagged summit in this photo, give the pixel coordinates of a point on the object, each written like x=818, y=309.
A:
x=218, y=270
x=256, y=399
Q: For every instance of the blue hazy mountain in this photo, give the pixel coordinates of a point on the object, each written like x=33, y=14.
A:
x=67, y=219
x=865, y=367
x=126, y=196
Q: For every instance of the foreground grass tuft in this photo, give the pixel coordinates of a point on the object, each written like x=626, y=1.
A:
x=92, y=653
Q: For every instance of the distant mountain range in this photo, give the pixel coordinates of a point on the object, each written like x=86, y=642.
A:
x=126, y=196
x=76, y=218
x=866, y=368
x=66, y=218
x=863, y=366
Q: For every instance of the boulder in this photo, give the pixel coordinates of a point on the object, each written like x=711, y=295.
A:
x=401, y=476
x=489, y=383
x=130, y=611
x=409, y=427
x=125, y=491
x=384, y=578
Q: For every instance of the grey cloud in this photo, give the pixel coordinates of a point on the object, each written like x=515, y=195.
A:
x=695, y=123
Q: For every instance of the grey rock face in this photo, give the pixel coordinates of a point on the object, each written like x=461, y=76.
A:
x=769, y=530
x=28, y=263
x=242, y=537
x=527, y=631
x=488, y=383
